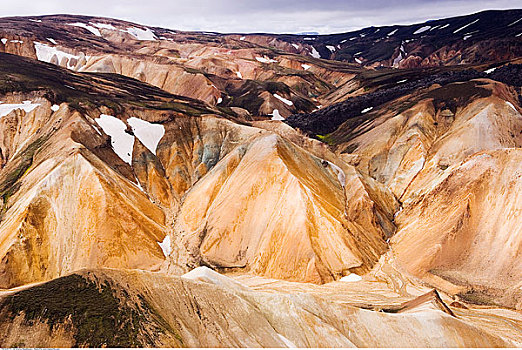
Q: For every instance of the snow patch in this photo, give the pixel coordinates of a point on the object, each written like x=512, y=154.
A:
x=343, y=41
x=444, y=26
x=341, y=176
x=295, y=46
x=86, y=26
x=306, y=66
x=511, y=105
x=392, y=32
x=121, y=142
x=27, y=106
x=351, y=278
x=45, y=53
x=219, y=100
x=165, y=245
x=148, y=133
x=276, y=116
x=284, y=100
x=309, y=39
x=402, y=81
x=239, y=75
x=242, y=38
x=357, y=60
x=491, y=70
x=141, y=34
x=4, y=41
x=331, y=48
x=52, y=41
x=466, y=37
x=265, y=60
x=17, y=41
x=518, y=20
x=315, y=53
x=206, y=275
x=285, y=340
x=467, y=25
x=54, y=108
x=103, y=26
x=35, y=20
x=422, y=29
x=366, y=110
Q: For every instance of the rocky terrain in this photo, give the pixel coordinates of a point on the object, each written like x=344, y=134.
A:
x=182, y=189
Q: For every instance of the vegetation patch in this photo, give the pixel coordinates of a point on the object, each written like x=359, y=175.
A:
x=99, y=318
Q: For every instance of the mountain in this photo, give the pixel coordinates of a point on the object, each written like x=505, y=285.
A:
x=162, y=188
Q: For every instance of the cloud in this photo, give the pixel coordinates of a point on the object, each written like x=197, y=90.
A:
x=291, y=16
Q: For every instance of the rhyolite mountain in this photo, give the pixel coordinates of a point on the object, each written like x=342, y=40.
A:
x=162, y=188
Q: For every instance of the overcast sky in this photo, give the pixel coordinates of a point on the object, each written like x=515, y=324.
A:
x=290, y=16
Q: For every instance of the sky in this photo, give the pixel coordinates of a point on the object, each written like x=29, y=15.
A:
x=269, y=16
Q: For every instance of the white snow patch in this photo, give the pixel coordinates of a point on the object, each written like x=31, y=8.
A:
x=444, y=26
x=309, y=39
x=511, y=105
x=96, y=128
x=265, y=60
x=148, y=133
x=466, y=37
x=393, y=32
x=341, y=176
x=91, y=29
x=491, y=70
x=4, y=41
x=351, y=278
x=219, y=100
x=343, y=41
x=331, y=48
x=5, y=109
x=17, y=41
x=315, y=53
x=103, y=26
x=519, y=34
x=165, y=245
x=352, y=38
x=306, y=66
x=141, y=34
x=357, y=60
x=35, y=20
x=45, y=53
x=122, y=143
x=518, y=20
x=402, y=81
x=366, y=110
x=284, y=100
x=242, y=38
x=206, y=275
x=287, y=341
x=276, y=116
x=400, y=57
x=295, y=46
x=422, y=29
x=239, y=75
x=467, y=25
x=52, y=41
x=54, y=108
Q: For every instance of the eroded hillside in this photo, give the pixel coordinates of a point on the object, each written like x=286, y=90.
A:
x=170, y=189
